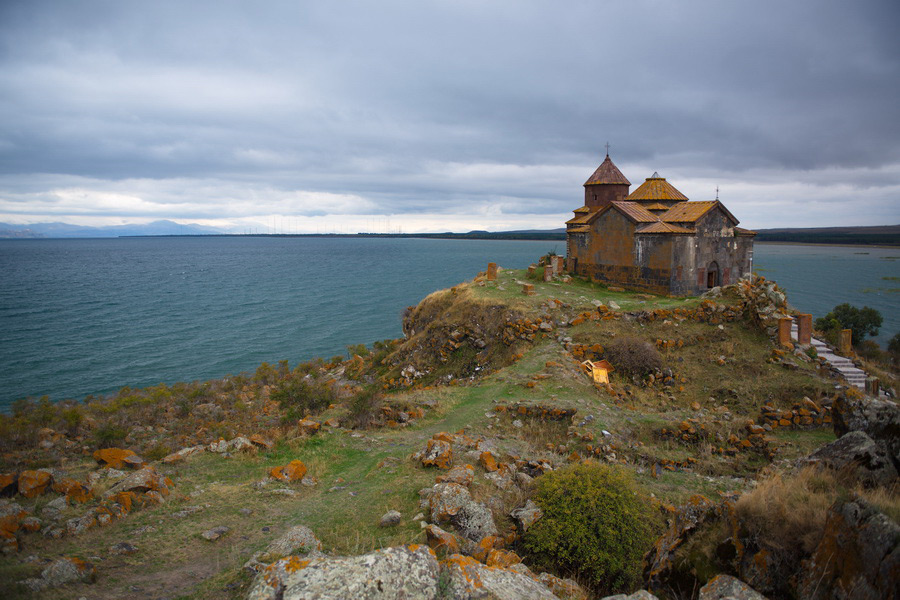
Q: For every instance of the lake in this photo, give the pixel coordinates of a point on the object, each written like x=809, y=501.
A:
x=83, y=317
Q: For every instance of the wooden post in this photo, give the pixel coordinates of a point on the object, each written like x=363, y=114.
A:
x=784, y=331
x=492, y=272
x=845, y=342
x=804, y=329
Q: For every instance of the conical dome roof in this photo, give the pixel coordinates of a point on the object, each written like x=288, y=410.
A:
x=656, y=188
x=607, y=173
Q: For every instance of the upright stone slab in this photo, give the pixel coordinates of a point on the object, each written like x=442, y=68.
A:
x=784, y=331
x=528, y=289
x=532, y=269
x=559, y=264
x=844, y=342
x=492, y=272
x=548, y=273
x=872, y=386
x=804, y=329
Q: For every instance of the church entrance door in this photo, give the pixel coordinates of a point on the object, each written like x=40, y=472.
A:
x=712, y=275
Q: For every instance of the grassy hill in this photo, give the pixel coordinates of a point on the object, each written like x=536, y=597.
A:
x=481, y=359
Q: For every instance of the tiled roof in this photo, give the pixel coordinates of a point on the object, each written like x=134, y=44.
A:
x=635, y=212
x=660, y=227
x=580, y=229
x=656, y=206
x=656, y=188
x=607, y=172
x=578, y=219
x=687, y=212
x=742, y=231
x=583, y=209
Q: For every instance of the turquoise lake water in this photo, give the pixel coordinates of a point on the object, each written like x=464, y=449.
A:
x=81, y=317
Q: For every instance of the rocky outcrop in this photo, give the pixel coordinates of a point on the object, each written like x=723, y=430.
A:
x=399, y=572
x=857, y=455
x=293, y=471
x=879, y=419
x=438, y=453
x=117, y=458
x=469, y=579
x=142, y=481
x=858, y=557
x=726, y=587
x=298, y=540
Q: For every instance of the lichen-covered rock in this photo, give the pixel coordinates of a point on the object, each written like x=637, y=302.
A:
x=8, y=484
x=293, y=471
x=298, y=540
x=74, y=491
x=183, y=454
x=638, y=595
x=145, y=481
x=470, y=580
x=115, y=458
x=879, y=419
x=61, y=572
x=858, y=557
x=438, y=453
x=726, y=587
x=34, y=483
x=858, y=454
x=215, y=533
x=261, y=441
x=474, y=521
x=488, y=461
x=526, y=516
x=438, y=539
x=446, y=500
x=308, y=426
x=569, y=588
x=390, y=519
x=402, y=572
x=463, y=475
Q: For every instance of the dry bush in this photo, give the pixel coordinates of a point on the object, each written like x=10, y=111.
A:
x=789, y=513
x=633, y=356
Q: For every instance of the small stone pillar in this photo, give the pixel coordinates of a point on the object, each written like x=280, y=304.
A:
x=532, y=268
x=784, y=331
x=872, y=386
x=559, y=264
x=548, y=273
x=844, y=342
x=804, y=329
x=492, y=272
x=528, y=289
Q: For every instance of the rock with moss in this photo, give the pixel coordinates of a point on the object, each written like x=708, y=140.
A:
x=62, y=572
x=298, y=540
x=858, y=454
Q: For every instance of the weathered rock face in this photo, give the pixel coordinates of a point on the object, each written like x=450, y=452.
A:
x=879, y=419
x=401, y=573
x=638, y=595
x=438, y=453
x=858, y=557
x=33, y=483
x=298, y=540
x=463, y=475
x=293, y=471
x=61, y=572
x=469, y=579
x=526, y=516
x=117, y=458
x=445, y=500
x=440, y=540
x=143, y=481
x=858, y=454
x=726, y=587
x=475, y=521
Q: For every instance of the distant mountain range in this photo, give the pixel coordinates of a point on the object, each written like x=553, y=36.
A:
x=65, y=230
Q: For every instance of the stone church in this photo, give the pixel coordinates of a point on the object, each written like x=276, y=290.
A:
x=654, y=239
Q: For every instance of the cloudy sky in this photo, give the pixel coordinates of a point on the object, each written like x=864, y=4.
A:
x=443, y=115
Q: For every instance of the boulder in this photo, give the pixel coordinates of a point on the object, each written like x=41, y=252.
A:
x=308, y=426
x=856, y=453
x=261, y=441
x=145, y=481
x=463, y=475
x=182, y=454
x=34, y=483
x=390, y=519
x=391, y=573
x=569, y=588
x=474, y=521
x=215, y=533
x=298, y=540
x=879, y=419
x=61, y=572
x=74, y=491
x=438, y=453
x=116, y=458
x=638, y=595
x=240, y=444
x=293, y=471
x=858, y=557
x=438, y=539
x=469, y=579
x=726, y=587
x=488, y=461
x=526, y=516
x=446, y=500
x=8, y=484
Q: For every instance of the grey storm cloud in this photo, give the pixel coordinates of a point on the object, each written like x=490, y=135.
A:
x=209, y=109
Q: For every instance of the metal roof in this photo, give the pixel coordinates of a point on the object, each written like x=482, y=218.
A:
x=607, y=173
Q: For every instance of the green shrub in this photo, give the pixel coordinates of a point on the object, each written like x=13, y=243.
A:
x=364, y=408
x=863, y=322
x=596, y=526
x=302, y=396
x=109, y=436
x=633, y=356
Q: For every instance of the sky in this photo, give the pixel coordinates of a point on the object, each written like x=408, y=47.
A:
x=429, y=116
